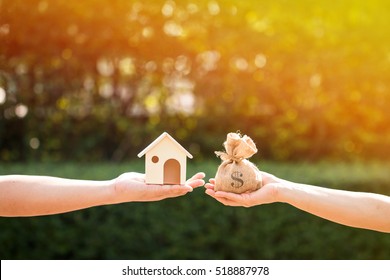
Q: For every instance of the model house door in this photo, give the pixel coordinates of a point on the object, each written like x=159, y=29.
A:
x=171, y=172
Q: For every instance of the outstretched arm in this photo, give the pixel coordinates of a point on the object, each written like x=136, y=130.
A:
x=22, y=195
x=355, y=209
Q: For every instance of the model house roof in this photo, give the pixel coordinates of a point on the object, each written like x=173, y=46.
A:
x=159, y=139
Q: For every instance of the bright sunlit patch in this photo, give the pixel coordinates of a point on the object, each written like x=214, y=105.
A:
x=182, y=103
x=192, y=8
x=150, y=66
x=34, y=143
x=208, y=60
x=315, y=80
x=3, y=95
x=213, y=8
x=182, y=99
x=105, y=67
x=168, y=65
x=106, y=90
x=21, y=110
x=182, y=64
x=260, y=60
x=126, y=66
x=262, y=26
x=147, y=32
x=174, y=29
x=233, y=10
x=168, y=8
x=239, y=63
x=152, y=102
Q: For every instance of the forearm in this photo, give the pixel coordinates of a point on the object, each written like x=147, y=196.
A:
x=356, y=209
x=40, y=195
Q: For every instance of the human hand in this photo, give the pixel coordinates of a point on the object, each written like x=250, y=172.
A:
x=132, y=187
x=266, y=194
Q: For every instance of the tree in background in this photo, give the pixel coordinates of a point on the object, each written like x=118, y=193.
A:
x=305, y=80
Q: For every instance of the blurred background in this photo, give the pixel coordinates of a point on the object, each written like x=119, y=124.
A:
x=86, y=85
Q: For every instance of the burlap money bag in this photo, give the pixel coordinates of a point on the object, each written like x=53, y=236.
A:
x=236, y=173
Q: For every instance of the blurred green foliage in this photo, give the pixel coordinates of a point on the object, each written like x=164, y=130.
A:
x=196, y=226
x=95, y=80
x=88, y=80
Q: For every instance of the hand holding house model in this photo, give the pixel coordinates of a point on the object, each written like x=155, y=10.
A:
x=165, y=161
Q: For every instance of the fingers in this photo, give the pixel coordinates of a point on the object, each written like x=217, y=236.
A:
x=227, y=202
x=196, y=180
x=195, y=183
x=170, y=191
x=223, y=200
x=229, y=196
x=177, y=189
x=199, y=175
x=211, y=184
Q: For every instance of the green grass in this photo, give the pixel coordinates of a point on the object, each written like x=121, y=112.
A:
x=196, y=226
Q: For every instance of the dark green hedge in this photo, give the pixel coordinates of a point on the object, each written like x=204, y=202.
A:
x=190, y=227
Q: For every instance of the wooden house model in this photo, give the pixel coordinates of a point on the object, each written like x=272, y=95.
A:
x=165, y=161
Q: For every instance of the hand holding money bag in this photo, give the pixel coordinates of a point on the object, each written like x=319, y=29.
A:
x=236, y=173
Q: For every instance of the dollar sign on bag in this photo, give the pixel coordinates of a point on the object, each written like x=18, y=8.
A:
x=237, y=181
